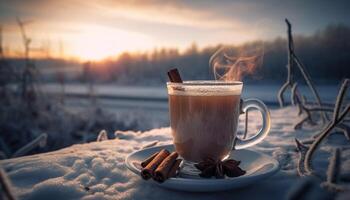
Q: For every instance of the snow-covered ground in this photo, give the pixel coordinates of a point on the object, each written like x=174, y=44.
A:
x=97, y=171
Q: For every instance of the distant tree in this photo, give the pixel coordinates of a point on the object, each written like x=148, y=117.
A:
x=326, y=53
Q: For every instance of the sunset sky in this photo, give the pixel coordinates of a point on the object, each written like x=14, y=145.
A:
x=95, y=29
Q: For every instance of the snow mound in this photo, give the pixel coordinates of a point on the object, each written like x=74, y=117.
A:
x=97, y=171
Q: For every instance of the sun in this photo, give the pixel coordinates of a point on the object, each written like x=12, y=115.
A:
x=97, y=42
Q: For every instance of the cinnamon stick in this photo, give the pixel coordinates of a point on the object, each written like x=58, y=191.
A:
x=174, y=76
x=174, y=168
x=162, y=171
x=148, y=160
x=148, y=171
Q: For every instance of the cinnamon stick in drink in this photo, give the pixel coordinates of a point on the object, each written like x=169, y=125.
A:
x=148, y=171
x=148, y=160
x=174, y=76
x=174, y=168
x=162, y=171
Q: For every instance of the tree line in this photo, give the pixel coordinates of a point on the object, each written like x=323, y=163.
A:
x=326, y=54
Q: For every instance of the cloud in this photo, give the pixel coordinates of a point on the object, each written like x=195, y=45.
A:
x=168, y=23
x=178, y=14
x=152, y=11
x=158, y=19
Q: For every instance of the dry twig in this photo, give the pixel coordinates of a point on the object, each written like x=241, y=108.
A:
x=296, y=98
x=102, y=136
x=39, y=141
x=311, y=112
x=302, y=151
x=334, y=166
x=337, y=118
x=306, y=153
x=6, y=186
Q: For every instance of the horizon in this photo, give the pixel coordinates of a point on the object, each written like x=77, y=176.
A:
x=98, y=30
x=37, y=55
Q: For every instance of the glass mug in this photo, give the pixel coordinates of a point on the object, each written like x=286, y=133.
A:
x=204, y=118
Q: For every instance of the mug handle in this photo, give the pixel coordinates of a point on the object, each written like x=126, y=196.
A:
x=259, y=105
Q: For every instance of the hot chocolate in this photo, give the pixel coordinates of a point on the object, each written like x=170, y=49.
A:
x=204, y=124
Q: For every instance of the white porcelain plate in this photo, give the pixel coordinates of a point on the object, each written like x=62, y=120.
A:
x=257, y=165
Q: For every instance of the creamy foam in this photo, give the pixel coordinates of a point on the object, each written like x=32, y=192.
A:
x=205, y=88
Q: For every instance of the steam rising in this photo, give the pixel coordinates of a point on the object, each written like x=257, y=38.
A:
x=232, y=64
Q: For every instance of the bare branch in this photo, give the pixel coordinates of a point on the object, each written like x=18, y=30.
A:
x=308, y=141
x=39, y=141
x=294, y=94
x=307, y=78
x=307, y=118
x=288, y=82
x=308, y=110
x=345, y=129
x=281, y=92
x=6, y=185
x=340, y=98
x=293, y=85
x=302, y=149
x=102, y=136
x=326, y=131
x=299, y=124
x=334, y=166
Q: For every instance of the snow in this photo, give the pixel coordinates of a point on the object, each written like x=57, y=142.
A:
x=266, y=92
x=97, y=171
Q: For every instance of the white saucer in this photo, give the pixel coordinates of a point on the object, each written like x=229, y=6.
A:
x=257, y=165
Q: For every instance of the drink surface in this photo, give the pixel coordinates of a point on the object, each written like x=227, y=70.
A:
x=203, y=125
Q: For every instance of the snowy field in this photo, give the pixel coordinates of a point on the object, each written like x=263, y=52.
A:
x=148, y=106
x=97, y=171
x=266, y=92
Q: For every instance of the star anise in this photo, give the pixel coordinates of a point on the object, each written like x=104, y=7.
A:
x=219, y=169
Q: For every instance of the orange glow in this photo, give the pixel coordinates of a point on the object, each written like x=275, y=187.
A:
x=96, y=42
